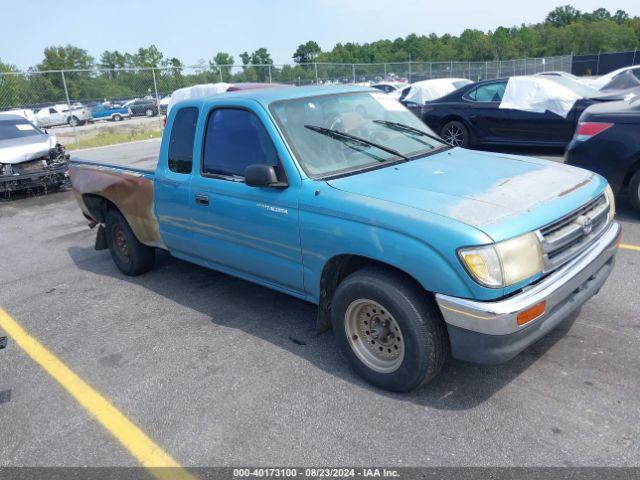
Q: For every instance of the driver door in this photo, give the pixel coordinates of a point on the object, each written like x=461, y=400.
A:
x=248, y=231
x=491, y=123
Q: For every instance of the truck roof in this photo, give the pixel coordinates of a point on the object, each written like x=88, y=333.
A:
x=268, y=95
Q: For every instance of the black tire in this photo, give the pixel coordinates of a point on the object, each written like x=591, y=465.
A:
x=456, y=133
x=73, y=121
x=149, y=112
x=634, y=190
x=117, y=118
x=426, y=343
x=130, y=256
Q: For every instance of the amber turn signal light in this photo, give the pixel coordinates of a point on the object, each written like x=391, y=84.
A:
x=532, y=313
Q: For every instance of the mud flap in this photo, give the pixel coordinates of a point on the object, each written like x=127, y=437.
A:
x=323, y=318
x=101, y=238
x=3, y=342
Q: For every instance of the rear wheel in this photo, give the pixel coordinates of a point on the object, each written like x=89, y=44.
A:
x=130, y=256
x=634, y=190
x=389, y=329
x=456, y=134
x=148, y=112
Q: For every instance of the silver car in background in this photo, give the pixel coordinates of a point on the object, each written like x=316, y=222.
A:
x=76, y=114
x=29, y=157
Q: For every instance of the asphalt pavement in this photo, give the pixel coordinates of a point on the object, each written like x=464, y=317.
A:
x=218, y=371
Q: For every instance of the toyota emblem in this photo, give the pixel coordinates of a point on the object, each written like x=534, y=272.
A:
x=587, y=225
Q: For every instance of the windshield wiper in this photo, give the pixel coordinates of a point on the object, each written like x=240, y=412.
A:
x=347, y=137
x=408, y=129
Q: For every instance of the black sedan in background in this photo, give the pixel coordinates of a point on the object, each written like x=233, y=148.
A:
x=607, y=141
x=144, y=106
x=471, y=116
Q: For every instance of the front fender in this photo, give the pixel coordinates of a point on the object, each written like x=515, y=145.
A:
x=421, y=244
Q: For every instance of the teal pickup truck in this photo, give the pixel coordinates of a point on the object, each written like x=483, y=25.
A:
x=412, y=250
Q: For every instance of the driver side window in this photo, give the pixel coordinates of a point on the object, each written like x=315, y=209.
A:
x=235, y=139
x=492, y=92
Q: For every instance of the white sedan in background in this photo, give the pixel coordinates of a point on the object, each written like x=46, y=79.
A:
x=76, y=114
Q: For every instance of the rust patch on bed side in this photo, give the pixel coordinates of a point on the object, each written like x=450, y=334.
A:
x=131, y=192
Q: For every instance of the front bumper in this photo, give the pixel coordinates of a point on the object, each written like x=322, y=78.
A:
x=54, y=175
x=488, y=332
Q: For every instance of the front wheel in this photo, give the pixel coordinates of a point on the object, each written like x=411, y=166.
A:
x=117, y=118
x=130, y=256
x=456, y=133
x=73, y=121
x=149, y=112
x=634, y=190
x=389, y=329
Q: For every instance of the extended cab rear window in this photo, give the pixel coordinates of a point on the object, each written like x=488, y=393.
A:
x=183, y=132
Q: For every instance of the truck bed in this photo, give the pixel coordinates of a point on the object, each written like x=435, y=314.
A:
x=98, y=186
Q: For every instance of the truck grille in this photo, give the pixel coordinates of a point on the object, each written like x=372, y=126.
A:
x=565, y=238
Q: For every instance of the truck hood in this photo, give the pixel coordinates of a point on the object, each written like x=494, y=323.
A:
x=18, y=150
x=477, y=188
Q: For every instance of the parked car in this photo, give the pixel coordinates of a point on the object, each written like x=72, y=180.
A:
x=107, y=111
x=536, y=111
x=143, y=107
x=608, y=95
x=340, y=196
x=607, y=141
x=629, y=79
x=29, y=157
x=601, y=82
x=388, y=87
x=76, y=114
x=417, y=94
x=164, y=104
x=559, y=73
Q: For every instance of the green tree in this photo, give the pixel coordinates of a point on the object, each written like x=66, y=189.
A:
x=562, y=16
x=66, y=58
x=306, y=52
x=148, y=57
x=620, y=16
x=221, y=64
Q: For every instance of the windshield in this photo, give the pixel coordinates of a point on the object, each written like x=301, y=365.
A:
x=370, y=120
x=585, y=91
x=10, y=129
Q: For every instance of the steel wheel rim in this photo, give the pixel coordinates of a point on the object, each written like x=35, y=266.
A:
x=454, y=135
x=120, y=243
x=374, y=336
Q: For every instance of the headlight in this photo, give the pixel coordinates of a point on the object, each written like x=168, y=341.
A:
x=612, y=202
x=6, y=169
x=504, y=263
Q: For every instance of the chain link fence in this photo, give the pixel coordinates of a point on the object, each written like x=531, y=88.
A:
x=71, y=95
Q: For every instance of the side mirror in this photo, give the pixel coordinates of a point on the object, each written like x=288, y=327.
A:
x=263, y=176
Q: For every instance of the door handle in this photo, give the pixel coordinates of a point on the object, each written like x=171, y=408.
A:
x=202, y=199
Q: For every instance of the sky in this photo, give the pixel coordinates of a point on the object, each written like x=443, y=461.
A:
x=196, y=29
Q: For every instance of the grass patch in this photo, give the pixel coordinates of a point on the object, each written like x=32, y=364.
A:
x=111, y=138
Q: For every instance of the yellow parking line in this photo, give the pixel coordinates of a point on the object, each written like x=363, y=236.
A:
x=145, y=450
x=626, y=246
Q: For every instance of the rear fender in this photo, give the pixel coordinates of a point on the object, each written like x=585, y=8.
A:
x=98, y=188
